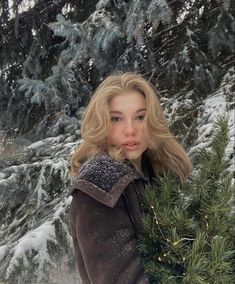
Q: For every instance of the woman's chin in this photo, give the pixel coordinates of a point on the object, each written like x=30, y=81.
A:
x=133, y=155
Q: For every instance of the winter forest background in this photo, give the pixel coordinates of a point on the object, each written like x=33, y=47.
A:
x=53, y=54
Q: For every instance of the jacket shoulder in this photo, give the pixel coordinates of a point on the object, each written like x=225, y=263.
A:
x=104, y=179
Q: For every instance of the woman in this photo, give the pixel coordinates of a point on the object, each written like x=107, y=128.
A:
x=126, y=143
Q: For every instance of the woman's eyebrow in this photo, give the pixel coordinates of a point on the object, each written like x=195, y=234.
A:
x=141, y=110
x=115, y=111
x=119, y=112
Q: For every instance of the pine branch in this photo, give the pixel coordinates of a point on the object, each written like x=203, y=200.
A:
x=187, y=235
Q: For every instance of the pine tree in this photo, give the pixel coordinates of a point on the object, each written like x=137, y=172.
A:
x=188, y=234
x=61, y=56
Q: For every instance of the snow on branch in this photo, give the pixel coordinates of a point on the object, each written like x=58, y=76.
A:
x=159, y=11
x=34, y=233
x=215, y=106
x=34, y=240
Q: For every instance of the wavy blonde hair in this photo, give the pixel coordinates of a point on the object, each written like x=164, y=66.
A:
x=164, y=152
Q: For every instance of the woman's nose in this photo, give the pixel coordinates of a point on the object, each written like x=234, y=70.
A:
x=130, y=128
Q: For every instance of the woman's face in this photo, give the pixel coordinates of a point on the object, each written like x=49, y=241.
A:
x=127, y=112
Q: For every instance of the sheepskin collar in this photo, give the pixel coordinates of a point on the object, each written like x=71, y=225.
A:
x=104, y=178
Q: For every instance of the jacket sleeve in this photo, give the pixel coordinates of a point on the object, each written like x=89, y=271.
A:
x=104, y=242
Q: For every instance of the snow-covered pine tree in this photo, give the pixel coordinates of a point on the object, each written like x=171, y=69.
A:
x=178, y=45
x=188, y=234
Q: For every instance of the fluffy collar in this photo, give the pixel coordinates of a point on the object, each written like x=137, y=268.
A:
x=104, y=179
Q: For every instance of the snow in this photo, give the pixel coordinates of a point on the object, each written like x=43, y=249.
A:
x=24, y=6
x=40, y=192
x=21, y=250
x=102, y=4
x=185, y=54
x=61, y=207
x=36, y=144
x=3, y=250
x=231, y=145
x=34, y=240
x=214, y=107
x=159, y=10
x=189, y=32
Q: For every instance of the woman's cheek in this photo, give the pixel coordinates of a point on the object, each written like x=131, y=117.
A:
x=111, y=134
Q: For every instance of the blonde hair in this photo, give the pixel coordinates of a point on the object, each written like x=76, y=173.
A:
x=164, y=152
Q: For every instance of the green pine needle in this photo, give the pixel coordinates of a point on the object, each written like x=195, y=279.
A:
x=188, y=235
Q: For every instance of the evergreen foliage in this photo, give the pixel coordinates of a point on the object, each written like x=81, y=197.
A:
x=72, y=45
x=188, y=235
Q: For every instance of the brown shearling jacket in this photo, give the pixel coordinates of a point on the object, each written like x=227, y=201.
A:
x=105, y=220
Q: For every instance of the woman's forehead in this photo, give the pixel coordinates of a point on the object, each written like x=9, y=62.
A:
x=129, y=100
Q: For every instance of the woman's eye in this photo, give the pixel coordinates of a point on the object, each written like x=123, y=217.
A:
x=116, y=118
x=140, y=117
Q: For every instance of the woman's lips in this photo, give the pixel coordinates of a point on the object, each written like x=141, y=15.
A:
x=131, y=146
